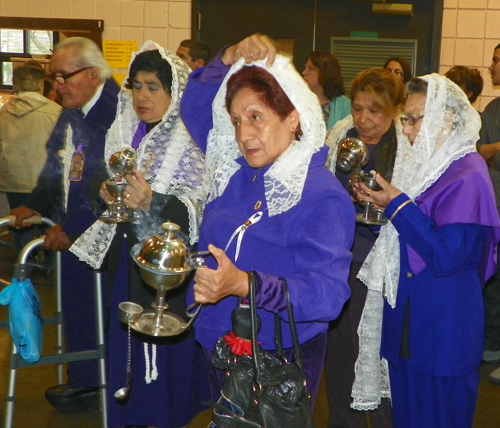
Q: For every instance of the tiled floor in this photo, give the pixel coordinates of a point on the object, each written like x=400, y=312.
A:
x=32, y=411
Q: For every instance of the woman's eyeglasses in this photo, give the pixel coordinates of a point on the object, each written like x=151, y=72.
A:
x=410, y=120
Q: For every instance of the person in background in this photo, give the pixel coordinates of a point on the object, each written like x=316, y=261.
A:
x=194, y=53
x=377, y=100
x=267, y=123
x=469, y=80
x=399, y=67
x=26, y=123
x=488, y=147
x=82, y=79
x=323, y=75
x=423, y=323
x=168, y=189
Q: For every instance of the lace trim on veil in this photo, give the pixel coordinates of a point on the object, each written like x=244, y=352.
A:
x=171, y=162
x=284, y=181
x=448, y=132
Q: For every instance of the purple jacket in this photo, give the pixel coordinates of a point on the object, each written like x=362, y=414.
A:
x=308, y=245
x=448, y=250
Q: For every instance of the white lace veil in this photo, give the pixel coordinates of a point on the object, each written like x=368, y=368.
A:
x=171, y=162
x=449, y=131
x=285, y=179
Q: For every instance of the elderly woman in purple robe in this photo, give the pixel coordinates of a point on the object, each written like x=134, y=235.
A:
x=168, y=376
x=265, y=170
x=422, y=329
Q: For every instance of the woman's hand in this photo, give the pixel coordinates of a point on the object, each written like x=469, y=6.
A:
x=103, y=191
x=379, y=198
x=138, y=194
x=212, y=285
x=253, y=48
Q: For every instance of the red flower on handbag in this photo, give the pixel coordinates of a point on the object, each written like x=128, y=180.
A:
x=238, y=346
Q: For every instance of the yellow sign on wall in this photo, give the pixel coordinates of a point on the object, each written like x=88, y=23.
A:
x=118, y=53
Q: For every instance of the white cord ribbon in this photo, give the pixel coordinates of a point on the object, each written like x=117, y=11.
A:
x=240, y=231
x=150, y=374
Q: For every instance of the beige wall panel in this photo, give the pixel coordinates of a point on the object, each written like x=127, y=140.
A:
x=155, y=14
x=38, y=8
x=492, y=30
x=449, y=23
x=472, y=4
x=132, y=14
x=175, y=36
x=469, y=52
x=448, y=52
x=179, y=15
x=109, y=10
x=132, y=33
x=84, y=9
x=471, y=23
x=61, y=9
x=158, y=35
x=15, y=8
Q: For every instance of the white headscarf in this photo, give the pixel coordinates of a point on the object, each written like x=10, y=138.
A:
x=171, y=162
x=284, y=181
x=449, y=131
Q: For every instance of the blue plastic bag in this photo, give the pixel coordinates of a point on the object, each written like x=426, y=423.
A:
x=26, y=324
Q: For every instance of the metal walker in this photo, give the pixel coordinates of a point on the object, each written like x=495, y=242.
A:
x=59, y=358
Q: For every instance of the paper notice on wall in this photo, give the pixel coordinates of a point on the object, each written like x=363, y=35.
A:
x=118, y=53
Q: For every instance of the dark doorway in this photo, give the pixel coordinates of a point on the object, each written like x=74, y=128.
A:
x=311, y=24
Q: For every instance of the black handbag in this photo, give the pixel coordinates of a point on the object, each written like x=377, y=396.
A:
x=261, y=390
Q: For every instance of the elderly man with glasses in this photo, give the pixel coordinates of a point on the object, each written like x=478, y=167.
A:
x=82, y=79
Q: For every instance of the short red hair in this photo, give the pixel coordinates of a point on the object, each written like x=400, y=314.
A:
x=264, y=85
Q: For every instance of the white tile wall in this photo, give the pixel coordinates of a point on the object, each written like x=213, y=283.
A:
x=158, y=35
x=61, y=9
x=109, y=11
x=38, y=8
x=15, y=8
x=85, y=9
x=450, y=23
x=155, y=14
x=179, y=15
x=472, y=4
x=477, y=33
x=471, y=23
x=132, y=14
x=175, y=36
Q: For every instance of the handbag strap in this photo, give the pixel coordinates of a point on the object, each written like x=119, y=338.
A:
x=278, y=340
x=293, y=329
x=253, y=324
x=291, y=323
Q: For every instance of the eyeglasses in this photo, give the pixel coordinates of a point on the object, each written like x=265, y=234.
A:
x=63, y=77
x=410, y=120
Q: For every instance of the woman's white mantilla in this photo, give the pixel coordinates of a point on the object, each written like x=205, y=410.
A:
x=284, y=180
x=449, y=131
x=171, y=162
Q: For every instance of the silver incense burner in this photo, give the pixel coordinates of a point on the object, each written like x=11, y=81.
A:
x=165, y=262
x=120, y=164
x=352, y=156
